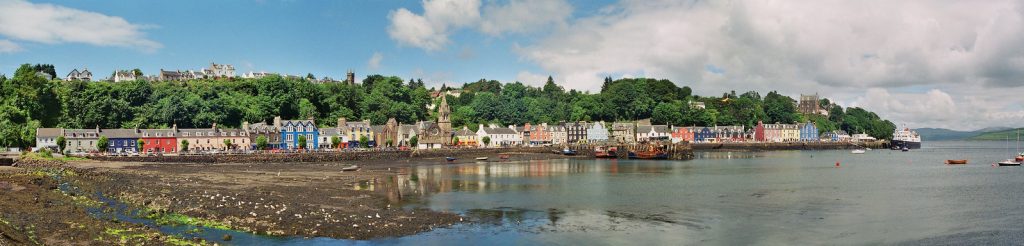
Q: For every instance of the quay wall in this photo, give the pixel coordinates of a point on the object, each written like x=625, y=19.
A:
x=788, y=146
x=378, y=155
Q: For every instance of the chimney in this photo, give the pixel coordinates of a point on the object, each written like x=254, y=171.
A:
x=174, y=127
x=342, y=122
x=214, y=126
x=481, y=127
x=245, y=125
x=277, y=121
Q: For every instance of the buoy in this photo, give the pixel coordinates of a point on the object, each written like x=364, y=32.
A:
x=837, y=164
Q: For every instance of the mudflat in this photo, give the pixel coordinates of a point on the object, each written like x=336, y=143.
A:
x=274, y=199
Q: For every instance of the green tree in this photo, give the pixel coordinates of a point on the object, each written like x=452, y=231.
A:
x=139, y=144
x=61, y=144
x=487, y=141
x=389, y=143
x=335, y=141
x=414, y=141
x=227, y=144
x=302, y=142
x=261, y=142
x=102, y=144
x=364, y=142
x=455, y=140
x=184, y=145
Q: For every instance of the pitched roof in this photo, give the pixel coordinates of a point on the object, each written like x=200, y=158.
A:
x=48, y=132
x=498, y=130
x=119, y=133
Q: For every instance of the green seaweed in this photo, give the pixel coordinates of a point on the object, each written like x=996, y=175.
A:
x=181, y=219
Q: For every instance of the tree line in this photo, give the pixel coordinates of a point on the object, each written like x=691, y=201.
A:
x=29, y=101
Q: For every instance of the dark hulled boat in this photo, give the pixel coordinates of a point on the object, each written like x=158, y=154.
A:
x=652, y=153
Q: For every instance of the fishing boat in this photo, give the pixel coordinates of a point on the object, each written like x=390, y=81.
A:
x=905, y=149
x=905, y=138
x=350, y=168
x=481, y=158
x=956, y=162
x=503, y=156
x=652, y=153
x=568, y=151
x=450, y=159
x=602, y=152
x=857, y=151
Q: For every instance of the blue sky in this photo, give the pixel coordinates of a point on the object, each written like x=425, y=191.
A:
x=919, y=62
x=295, y=37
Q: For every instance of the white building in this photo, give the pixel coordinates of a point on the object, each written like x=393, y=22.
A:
x=220, y=71
x=499, y=136
x=124, y=75
x=47, y=137
x=655, y=132
x=255, y=75
x=597, y=133
x=558, y=134
x=83, y=75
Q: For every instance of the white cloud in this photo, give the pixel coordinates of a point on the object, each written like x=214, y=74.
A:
x=52, y=24
x=374, y=62
x=440, y=18
x=6, y=46
x=430, y=30
x=523, y=16
x=837, y=48
x=532, y=79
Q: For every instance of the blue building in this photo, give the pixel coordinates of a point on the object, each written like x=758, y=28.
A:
x=121, y=140
x=292, y=129
x=703, y=135
x=808, y=132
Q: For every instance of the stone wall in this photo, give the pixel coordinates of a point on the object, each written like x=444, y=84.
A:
x=323, y=156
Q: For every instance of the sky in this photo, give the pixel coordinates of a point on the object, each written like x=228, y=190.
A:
x=948, y=64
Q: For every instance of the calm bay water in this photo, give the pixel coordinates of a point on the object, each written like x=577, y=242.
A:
x=719, y=198
x=728, y=198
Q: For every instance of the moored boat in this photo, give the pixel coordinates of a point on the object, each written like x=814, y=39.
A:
x=652, y=153
x=449, y=158
x=602, y=152
x=857, y=151
x=350, y=168
x=568, y=151
x=956, y=162
x=481, y=158
x=1009, y=162
x=503, y=156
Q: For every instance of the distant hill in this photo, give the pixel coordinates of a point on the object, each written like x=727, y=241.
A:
x=938, y=134
x=997, y=135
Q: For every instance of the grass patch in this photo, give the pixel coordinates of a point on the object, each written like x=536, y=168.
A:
x=126, y=236
x=47, y=156
x=181, y=219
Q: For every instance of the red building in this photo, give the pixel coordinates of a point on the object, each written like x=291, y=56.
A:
x=682, y=134
x=159, y=140
x=759, y=132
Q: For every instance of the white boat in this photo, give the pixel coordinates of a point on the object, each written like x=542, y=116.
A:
x=350, y=168
x=857, y=151
x=481, y=158
x=1009, y=162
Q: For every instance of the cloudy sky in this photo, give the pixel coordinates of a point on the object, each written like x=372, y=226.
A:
x=952, y=64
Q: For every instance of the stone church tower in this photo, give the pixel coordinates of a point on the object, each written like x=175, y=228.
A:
x=443, y=120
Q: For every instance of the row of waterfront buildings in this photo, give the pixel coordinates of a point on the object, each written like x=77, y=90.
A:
x=286, y=134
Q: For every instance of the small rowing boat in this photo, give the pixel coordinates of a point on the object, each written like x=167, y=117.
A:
x=956, y=162
x=450, y=159
x=350, y=168
x=481, y=158
x=503, y=157
x=857, y=151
